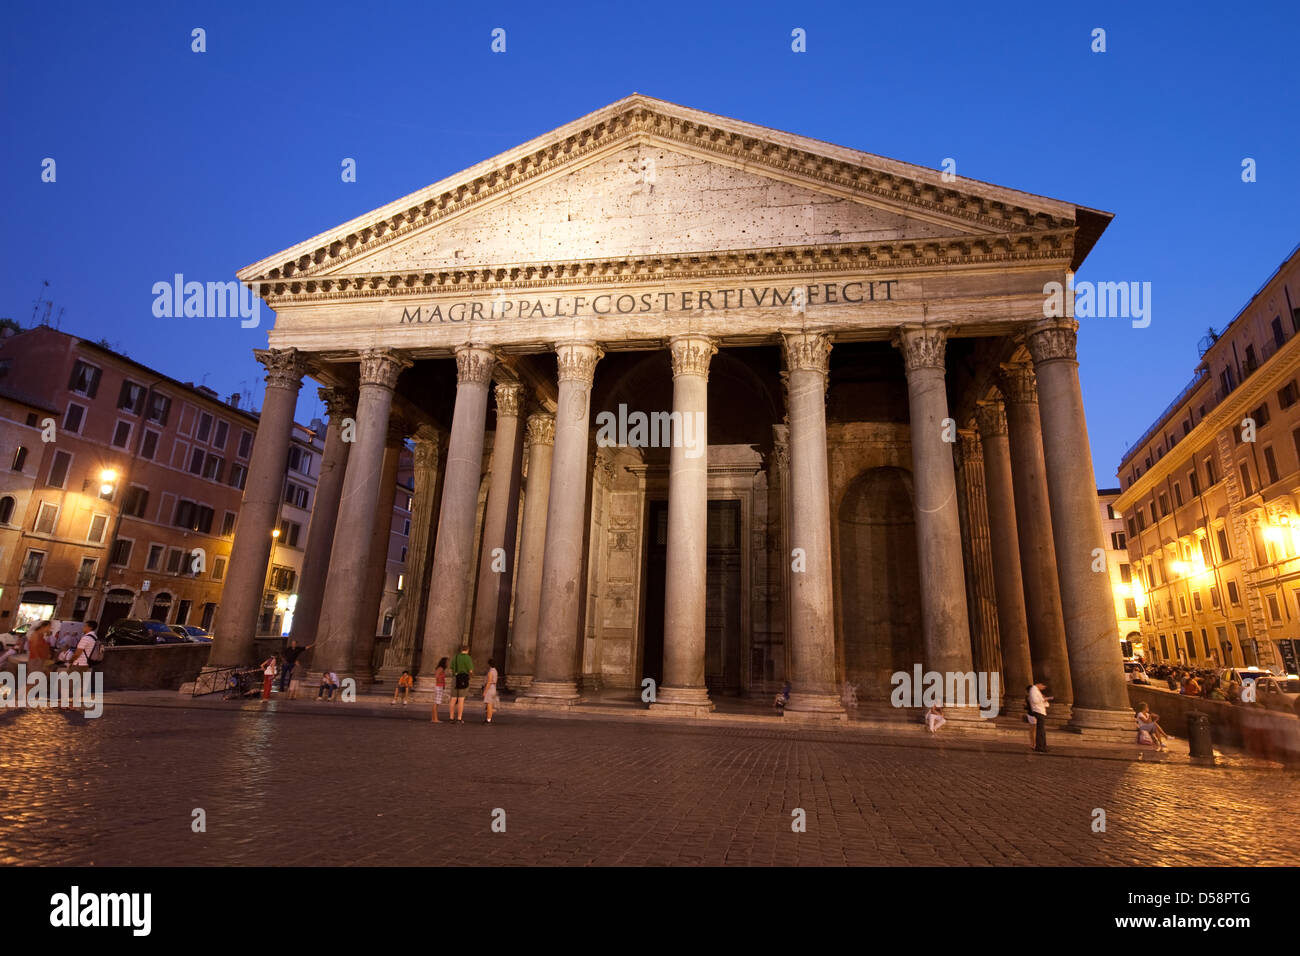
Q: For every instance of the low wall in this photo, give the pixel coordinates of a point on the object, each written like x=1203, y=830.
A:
x=1263, y=733
x=160, y=667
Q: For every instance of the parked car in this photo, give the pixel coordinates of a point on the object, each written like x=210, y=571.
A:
x=1134, y=672
x=192, y=633
x=1271, y=694
x=1243, y=674
x=136, y=633
x=13, y=637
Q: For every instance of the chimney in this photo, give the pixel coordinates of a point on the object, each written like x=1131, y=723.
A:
x=234, y=400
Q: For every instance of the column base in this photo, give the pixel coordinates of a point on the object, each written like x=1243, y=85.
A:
x=815, y=707
x=520, y=682
x=391, y=673
x=685, y=701
x=1103, y=724
x=550, y=694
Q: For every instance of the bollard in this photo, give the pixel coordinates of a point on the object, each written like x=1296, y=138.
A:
x=1198, y=735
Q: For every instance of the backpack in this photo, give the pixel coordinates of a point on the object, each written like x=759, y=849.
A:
x=96, y=655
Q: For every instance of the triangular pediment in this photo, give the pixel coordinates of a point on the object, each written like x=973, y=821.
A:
x=645, y=178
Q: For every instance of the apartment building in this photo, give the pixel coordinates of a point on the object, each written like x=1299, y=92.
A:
x=1211, y=495
x=1120, y=570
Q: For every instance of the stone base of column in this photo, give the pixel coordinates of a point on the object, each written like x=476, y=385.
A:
x=684, y=701
x=520, y=682
x=1104, y=724
x=550, y=694
x=391, y=673
x=815, y=707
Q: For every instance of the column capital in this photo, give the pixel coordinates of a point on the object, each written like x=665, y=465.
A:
x=807, y=351
x=284, y=367
x=510, y=398
x=1018, y=384
x=541, y=428
x=923, y=346
x=475, y=363
x=691, y=354
x=969, y=447
x=340, y=403
x=1053, y=340
x=382, y=367
x=426, y=448
x=576, y=361
x=991, y=418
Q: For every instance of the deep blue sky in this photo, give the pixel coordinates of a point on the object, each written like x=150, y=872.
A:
x=171, y=161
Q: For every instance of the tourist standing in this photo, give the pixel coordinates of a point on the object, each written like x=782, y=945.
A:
x=440, y=689
x=268, y=676
x=295, y=679
x=291, y=655
x=490, y=696
x=461, y=668
x=1037, y=706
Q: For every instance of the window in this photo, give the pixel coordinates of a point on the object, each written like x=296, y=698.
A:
x=1190, y=640
x=20, y=458
x=1210, y=478
x=238, y=475
x=6, y=509
x=1224, y=553
x=184, y=516
x=1117, y=540
x=154, y=561
x=1234, y=598
x=59, y=469
x=219, y=439
x=205, y=427
x=1288, y=394
x=403, y=561
x=122, y=435
x=1247, y=489
x=299, y=460
x=33, y=565
x=131, y=397
x=1126, y=573
x=1270, y=464
x=1178, y=494
x=121, y=555
x=1196, y=601
x=295, y=495
x=73, y=418
x=282, y=579
x=1132, y=528
x=228, y=524
x=1130, y=607
x=160, y=407
x=1214, y=597
x=245, y=443
x=1164, y=505
x=98, y=527
x=1273, y=611
x=47, y=517
x=1182, y=605
x=136, y=501
x=218, y=568
x=196, y=462
x=149, y=447
x=1252, y=363
x=1164, y=647
x=86, y=573
x=213, y=466
x=174, y=557
x=406, y=530
x=289, y=531
x=85, y=379
x=1276, y=326
x=1206, y=557
x=1260, y=415
x=1194, y=482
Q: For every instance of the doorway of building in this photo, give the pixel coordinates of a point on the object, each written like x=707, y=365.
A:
x=722, y=641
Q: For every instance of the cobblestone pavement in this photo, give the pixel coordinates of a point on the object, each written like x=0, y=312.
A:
x=316, y=789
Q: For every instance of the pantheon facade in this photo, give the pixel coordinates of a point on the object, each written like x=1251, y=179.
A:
x=695, y=401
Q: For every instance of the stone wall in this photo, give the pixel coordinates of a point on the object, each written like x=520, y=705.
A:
x=1260, y=732
x=161, y=667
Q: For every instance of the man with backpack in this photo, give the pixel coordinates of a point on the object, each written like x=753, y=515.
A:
x=461, y=667
x=89, y=650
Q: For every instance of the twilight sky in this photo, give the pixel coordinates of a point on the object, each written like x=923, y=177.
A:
x=201, y=163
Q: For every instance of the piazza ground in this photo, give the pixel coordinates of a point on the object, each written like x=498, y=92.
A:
x=311, y=788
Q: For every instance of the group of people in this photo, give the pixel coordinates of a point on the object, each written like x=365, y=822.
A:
x=1196, y=682
x=43, y=647
x=462, y=669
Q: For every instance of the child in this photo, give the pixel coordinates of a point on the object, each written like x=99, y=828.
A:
x=1148, y=724
x=490, y=697
x=934, y=718
x=404, y=688
x=439, y=688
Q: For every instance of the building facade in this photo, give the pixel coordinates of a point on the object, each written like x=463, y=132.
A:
x=1211, y=496
x=122, y=489
x=695, y=401
x=1121, y=574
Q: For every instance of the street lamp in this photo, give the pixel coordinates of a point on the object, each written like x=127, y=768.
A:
x=107, y=481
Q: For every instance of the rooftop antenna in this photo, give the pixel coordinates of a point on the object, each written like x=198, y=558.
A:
x=40, y=298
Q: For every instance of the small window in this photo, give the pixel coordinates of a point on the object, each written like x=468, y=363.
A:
x=1247, y=489
x=174, y=557
x=1270, y=464
x=160, y=407
x=1178, y=494
x=6, y=509
x=1288, y=395
x=1126, y=573
x=1196, y=601
x=73, y=418
x=245, y=444
x=47, y=517
x=131, y=398
x=154, y=562
x=196, y=462
x=1214, y=597
x=219, y=439
x=205, y=427
x=1273, y=610
x=85, y=379
x=121, y=556
x=59, y=469
x=1234, y=597
x=1130, y=607
x=218, y=568
x=1164, y=505
x=1194, y=482
x=86, y=573
x=228, y=524
x=20, y=458
x=1210, y=478
x=33, y=565
x=213, y=466
x=149, y=447
x=136, y=501
x=1225, y=554
x=98, y=526
x=238, y=475
x=122, y=435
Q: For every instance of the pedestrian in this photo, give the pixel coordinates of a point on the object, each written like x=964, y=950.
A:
x=295, y=679
x=1036, y=705
x=291, y=655
x=268, y=676
x=490, y=697
x=440, y=689
x=934, y=718
x=461, y=668
x=38, y=646
x=404, y=684
x=85, y=649
x=329, y=682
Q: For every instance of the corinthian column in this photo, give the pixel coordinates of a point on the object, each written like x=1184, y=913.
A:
x=1013, y=625
x=453, y=554
x=241, y=598
x=1037, y=550
x=501, y=513
x=381, y=540
x=342, y=612
x=812, y=637
x=558, y=649
x=414, y=598
x=340, y=404
x=522, y=659
x=938, y=525
x=977, y=556
x=688, y=524
x=1096, y=665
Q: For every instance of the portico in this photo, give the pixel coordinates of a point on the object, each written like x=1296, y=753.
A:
x=809, y=334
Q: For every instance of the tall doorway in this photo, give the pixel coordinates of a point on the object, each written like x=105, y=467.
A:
x=722, y=623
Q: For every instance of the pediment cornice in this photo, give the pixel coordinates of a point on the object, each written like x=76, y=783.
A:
x=968, y=206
